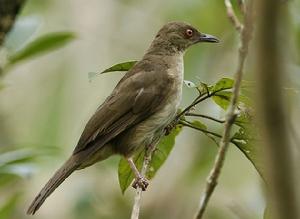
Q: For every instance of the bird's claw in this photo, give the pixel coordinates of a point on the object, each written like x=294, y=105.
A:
x=140, y=182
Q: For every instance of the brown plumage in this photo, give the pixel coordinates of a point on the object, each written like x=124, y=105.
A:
x=140, y=107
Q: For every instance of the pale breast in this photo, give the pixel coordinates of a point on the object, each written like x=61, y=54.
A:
x=158, y=121
x=145, y=132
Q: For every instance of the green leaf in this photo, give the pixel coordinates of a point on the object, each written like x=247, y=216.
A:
x=203, y=88
x=23, y=29
x=124, y=66
x=18, y=170
x=199, y=124
x=9, y=207
x=244, y=119
x=223, y=84
x=16, y=163
x=162, y=152
x=42, y=45
x=159, y=156
x=222, y=98
x=246, y=139
x=16, y=156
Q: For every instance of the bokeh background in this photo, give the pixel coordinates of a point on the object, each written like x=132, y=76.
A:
x=47, y=101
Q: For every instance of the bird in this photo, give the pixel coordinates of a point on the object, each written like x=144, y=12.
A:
x=140, y=107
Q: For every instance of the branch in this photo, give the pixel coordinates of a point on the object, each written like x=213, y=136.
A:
x=232, y=16
x=230, y=115
x=270, y=74
x=198, y=100
x=187, y=124
x=207, y=132
x=138, y=196
x=205, y=116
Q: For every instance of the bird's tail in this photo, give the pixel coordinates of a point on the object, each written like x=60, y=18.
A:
x=60, y=175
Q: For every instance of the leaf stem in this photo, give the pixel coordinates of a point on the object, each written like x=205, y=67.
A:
x=187, y=124
x=205, y=116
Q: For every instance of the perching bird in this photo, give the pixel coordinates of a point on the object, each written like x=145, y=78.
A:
x=142, y=104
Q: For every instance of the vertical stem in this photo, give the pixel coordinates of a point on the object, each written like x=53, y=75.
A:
x=272, y=111
x=213, y=177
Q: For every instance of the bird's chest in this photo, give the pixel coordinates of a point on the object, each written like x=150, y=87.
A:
x=159, y=120
x=151, y=129
x=175, y=72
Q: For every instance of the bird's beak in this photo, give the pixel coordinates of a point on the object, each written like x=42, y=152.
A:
x=208, y=38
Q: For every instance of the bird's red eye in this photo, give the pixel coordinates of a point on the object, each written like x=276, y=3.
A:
x=189, y=32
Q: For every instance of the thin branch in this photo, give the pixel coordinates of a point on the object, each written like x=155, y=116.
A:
x=198, y=100
x=207, y=132
x=205, y=116
x=138, y=196
x=232, y=16
x=186, y=123
x=231, y=114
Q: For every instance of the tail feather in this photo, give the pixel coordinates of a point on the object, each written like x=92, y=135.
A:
x=60, y=175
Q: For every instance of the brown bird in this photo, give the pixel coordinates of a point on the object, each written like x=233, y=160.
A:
x=142, y=104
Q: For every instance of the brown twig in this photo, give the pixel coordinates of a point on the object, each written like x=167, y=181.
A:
x=231, y=114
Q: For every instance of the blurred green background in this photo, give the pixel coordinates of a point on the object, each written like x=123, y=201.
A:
x=47, y=100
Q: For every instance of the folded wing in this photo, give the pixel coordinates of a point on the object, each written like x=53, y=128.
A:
x=132, y=101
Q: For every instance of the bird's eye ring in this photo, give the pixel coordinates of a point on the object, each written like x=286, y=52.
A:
x=189, y=32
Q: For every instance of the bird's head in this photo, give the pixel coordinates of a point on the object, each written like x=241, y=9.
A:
x=178, y=36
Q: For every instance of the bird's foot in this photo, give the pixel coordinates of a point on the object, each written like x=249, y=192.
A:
x=140, y=182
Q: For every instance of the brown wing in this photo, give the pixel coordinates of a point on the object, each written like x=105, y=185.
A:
x=131, y=102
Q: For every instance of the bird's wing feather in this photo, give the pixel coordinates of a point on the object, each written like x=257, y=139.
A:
x=131, y=102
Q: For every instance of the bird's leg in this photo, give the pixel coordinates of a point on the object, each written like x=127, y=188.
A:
x=140, y=180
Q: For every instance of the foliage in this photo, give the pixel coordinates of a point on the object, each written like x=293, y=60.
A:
x=7, y=210
x=41, y=45
x=124, y=66
x=17, y=163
